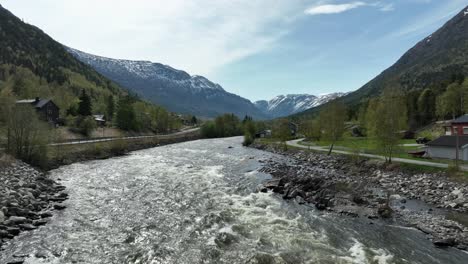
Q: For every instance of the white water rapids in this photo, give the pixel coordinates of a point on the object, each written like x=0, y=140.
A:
x=195, y=202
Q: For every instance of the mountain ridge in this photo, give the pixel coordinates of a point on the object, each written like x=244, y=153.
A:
x=289, y=104
x=172, y=88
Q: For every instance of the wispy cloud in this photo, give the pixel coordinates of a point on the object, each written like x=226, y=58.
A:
x=386, y=7
x=325, y=9
x=333, y=9
x=198, y=36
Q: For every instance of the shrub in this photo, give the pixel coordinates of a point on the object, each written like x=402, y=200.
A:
x=86, y=125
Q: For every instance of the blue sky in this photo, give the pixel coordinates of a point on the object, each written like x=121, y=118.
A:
x=257, y=49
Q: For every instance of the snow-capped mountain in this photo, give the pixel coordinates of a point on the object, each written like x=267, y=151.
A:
x=285, y=105
x=174, y=89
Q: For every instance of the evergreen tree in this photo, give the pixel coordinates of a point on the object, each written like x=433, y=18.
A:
x=110, y=107
x=194, y=120
x=426, y=106
x=84, y=107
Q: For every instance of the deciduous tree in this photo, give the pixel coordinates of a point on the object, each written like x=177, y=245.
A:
x=332, y=118
x=387, y=118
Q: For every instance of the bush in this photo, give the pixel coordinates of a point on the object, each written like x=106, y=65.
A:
x=86, y=125
x=248, y=140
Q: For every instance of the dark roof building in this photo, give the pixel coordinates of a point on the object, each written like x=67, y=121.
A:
x=461, y=120
x=46, y=108
x=449, y=141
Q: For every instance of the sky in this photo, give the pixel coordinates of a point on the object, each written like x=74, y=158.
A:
x=254, y=48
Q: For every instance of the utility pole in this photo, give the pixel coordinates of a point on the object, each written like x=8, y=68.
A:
x=457, y=147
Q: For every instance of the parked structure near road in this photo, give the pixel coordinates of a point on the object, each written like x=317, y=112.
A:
x=454, y=144
x=46, y=108
x=445, y=147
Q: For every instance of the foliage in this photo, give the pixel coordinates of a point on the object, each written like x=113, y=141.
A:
x=386, y=118
x=249, y=132
x=227, y=125
x=333, y=118
x=312, y=129
x=110, y=107
x=451, y=103
x=27, y=136
x=427, y=106
x=282, y=130
x=208, y=130
x=86, y=125
x=84, y=106
x=126, y=117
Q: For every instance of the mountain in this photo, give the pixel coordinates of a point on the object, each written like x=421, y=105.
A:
x=175, y=89
x=285, y=105
x=431, y=62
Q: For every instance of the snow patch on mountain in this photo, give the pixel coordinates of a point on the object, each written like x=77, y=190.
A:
x=285, y=105
x=147, y=70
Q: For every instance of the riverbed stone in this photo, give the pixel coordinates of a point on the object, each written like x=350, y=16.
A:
x=24, y=193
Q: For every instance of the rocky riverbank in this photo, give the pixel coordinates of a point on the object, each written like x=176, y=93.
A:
x=27, y=198
x=369, y=188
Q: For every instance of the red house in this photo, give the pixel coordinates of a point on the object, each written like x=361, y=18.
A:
x=458, y=126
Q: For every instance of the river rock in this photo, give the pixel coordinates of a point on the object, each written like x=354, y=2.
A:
x=24, y=192
x=16, y=220
x=445, y=242
x=2, y=217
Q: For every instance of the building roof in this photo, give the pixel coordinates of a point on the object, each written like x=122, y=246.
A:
x=42, y=102
x=461, y=119
x=449, y=141
x=38, y=103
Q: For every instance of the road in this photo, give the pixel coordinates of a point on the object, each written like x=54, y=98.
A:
x=295, y=143
x=87, y=141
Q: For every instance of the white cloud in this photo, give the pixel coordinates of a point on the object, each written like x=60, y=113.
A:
x=198, y=36
x=324, y=9
x=333, y=9
x=387, y=7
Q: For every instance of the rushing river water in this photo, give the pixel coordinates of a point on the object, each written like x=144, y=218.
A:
x=195, y=202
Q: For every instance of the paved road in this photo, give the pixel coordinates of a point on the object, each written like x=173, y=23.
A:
x=295, y=143
x=87, y=141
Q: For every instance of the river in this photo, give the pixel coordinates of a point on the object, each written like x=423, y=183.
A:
x=195, y=202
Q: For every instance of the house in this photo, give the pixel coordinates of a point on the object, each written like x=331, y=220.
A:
x=263, y=134
x=100, y=120
x=458, y=126
x=46, y=108
x=444, y=147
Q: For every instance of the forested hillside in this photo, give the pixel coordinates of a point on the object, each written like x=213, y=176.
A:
x=33, y=64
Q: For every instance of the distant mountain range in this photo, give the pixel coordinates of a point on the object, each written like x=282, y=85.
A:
x=285, y=105
x=174, y=89
x=430, y=63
